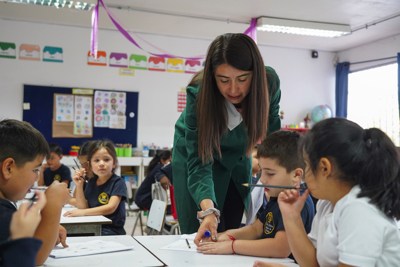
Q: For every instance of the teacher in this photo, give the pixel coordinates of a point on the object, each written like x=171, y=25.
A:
x=230, y=104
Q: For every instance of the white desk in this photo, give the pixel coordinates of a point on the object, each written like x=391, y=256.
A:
x=137, y=257
x=83, y=224
x=182, y=259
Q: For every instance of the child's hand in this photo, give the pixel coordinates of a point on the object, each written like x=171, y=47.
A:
x=74, y=213
x=62, y=237
x=290, y=201
x=77, y=177
x=267, y=264
x=223, y=237
x=58, y=192
x=25, y=221
x=222, y=248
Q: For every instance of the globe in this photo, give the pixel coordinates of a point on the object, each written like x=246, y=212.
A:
x=320, y=113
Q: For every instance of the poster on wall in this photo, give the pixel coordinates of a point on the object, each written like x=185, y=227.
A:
x=101, y=59
x=118, y=110
x=82, y=128
x=64, y=107
x=117, y=122
x=156, y=64
x=7, y=50
x=29, y=52
x=119, y=60
x=53, y=54
x=175, y=65
x=101, y=108
x=138, y=62
x=192, y=66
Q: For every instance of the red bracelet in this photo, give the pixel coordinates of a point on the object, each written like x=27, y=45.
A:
x=232, y=247
x=231, y=237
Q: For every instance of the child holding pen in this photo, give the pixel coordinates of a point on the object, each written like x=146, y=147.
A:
x=105, y=193
x=356, y=175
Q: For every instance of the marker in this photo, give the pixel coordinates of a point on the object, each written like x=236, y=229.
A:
x=207, y=233
x=187, y=242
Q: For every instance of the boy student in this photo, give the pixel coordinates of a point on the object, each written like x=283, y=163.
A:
x=281, y=165
x=54, y=170
x=22, y=150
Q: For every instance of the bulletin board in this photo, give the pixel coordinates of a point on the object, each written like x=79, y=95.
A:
x=40, y=115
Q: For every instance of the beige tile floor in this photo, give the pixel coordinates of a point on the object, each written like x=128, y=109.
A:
x=130, y=220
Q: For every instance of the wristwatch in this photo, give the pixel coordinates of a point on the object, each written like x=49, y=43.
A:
x=202, y=214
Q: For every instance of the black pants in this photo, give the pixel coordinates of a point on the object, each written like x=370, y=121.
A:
x=232, y=213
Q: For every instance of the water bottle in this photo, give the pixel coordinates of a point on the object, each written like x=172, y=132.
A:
x=145, y=152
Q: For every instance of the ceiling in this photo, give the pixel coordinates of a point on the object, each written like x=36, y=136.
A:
x=206, y=19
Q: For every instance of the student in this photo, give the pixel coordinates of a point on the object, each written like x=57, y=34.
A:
x=281, y=165
x=105, y=193
x=356, y=175
x=82, y=158
x=231, y=105
x=143, y=197
x=22, y=227
x=22, y=150
x=54, y=170
x=164, y=176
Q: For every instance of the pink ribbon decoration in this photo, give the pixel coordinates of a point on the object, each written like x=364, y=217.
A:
x=95, y=25
x=252, y=30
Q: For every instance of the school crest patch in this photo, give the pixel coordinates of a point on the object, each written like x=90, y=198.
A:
x=104, y=198
x=269, y=224
x=57, y=177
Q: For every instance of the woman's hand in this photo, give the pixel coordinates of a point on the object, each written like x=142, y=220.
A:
x=210, y=223
x=75, y=213
x=290, y=201
x=25, y=221
x=77, y=177
x=222, y=248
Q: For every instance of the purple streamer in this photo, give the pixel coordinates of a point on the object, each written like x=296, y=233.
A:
x=252, y=30
x=95, y=25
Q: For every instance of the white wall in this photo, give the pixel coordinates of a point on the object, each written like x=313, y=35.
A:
x=305, y=82
x=384, y=48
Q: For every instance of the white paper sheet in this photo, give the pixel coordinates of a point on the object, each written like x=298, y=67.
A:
x=182, y=245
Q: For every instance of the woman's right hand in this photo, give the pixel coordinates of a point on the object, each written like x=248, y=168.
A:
x=77, y=177
x=210, y=223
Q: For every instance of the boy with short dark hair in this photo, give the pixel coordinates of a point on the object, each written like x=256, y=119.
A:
x=281, y=165
x=54, y=170
x=22, y=150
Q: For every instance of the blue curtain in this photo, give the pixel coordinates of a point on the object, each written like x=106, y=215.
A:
x=342, y=88
x=398, y=79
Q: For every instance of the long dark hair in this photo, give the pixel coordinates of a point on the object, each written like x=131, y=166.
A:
x=367, y=158
x=164, y=155
x=238, y=51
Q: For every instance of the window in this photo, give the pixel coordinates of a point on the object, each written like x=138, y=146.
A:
x=373, y=100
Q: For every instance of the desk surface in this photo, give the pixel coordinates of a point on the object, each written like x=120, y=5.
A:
x=98, y=219
x=178, y=258
x=139, y=256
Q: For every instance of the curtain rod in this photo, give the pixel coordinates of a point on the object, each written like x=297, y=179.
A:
x=372, y=60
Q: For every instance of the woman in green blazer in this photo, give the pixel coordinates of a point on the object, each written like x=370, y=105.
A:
x=230, y=105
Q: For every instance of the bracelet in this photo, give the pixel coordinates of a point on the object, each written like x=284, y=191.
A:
x=232, y=247
x=202, y=214
x=231, y=237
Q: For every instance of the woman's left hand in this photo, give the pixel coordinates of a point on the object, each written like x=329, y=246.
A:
x=209, y=223
x=74, y=213
x=222, y=248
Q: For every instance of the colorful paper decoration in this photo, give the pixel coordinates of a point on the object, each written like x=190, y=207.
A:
x=7, y=50
x=64, y=108
x=157, y=63
x=107, y=106
x=119, y=60
x=101, y=59
x=192, y=66
x=126, y=72
x=52, y=54
x=181, y=101
x=83, y=109
x=29, y=52
x=118, y=103
x=82, y=128
x=101, y=108
x=175, y=65
x=138, y=62
x=117, y=122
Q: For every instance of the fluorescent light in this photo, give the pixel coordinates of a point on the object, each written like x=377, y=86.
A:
x=87, y=5
x=302, y=27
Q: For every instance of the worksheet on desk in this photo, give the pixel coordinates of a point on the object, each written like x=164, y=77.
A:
x=182, y=245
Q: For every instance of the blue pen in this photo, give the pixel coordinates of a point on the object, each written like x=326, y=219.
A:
x=207, y=233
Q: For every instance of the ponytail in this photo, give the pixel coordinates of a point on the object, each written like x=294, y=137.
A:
x=164, y=155
x=367, y=158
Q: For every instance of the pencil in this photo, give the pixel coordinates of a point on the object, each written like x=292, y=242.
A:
x=302, y=187
x=80, y=175
x=31, y=200
x=187, y=242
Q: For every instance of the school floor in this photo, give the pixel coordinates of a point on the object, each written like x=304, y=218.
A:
x=130, y=220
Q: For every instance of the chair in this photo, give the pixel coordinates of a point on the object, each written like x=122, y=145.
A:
x=159, y=193
x=133, y=208
x=156, y=218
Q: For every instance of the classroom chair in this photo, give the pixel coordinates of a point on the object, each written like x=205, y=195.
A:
x=156, y=218
x=133, y=208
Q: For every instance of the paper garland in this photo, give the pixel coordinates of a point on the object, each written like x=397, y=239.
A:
x=29, y=52
x=7, y=50
x=53, y=54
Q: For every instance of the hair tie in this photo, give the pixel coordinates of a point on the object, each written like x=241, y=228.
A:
x=367, y=138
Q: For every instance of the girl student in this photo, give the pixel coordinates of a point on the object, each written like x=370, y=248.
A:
x=231, y=104
x=83, y=160
x=143, y=196
x=356, y=175
x=105, y=193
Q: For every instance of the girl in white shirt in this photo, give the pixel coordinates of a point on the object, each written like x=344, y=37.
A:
x=356, y=175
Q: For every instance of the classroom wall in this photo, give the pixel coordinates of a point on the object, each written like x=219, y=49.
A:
x=384, y=48
x=305, y=82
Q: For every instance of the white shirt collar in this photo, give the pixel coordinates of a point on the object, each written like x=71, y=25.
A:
x=234, y=116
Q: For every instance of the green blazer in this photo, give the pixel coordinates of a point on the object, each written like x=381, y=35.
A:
x=194, y=181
